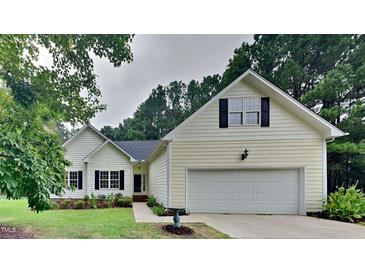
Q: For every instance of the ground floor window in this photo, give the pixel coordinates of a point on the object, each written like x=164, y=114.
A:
x=72, y=179
x=109, y=179
x=114, y=179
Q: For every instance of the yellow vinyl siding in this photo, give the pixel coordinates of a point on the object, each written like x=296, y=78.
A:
x=205, y=126
x=288, y=142
x=262, y=154
x=158, y=177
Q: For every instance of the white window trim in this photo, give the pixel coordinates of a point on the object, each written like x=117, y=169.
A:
x=69, y=178
x=109, y=179
x=243, y=112
x=100, y=179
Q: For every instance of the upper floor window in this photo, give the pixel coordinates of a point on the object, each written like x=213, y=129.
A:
x=244, y=111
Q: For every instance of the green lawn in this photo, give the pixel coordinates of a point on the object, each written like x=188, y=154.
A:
x=111, y=223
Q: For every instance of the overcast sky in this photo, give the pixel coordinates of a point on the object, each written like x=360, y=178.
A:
x=160, y=59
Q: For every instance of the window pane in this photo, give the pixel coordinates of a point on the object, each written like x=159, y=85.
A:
x=73, y=179
x=114, y=174
x=104, y=179
x=235, y=118
x=235, y=105
x=104, y=174
x=114, y=179
x=103, y=183
x=252, y=118
x=252, y=104
x=73, y=175
x=114, y=183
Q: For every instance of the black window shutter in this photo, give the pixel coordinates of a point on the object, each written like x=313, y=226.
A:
x=223, y=113
x=79, y=185
x=121, y=179
x=265, y=111
x=96, y=179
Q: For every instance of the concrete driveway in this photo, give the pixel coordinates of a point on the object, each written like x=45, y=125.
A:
x=280, y=226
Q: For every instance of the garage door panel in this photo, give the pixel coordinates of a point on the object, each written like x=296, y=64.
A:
x=233, y=196
x=207, y=196
x=275, y=185
x=262, y=196
x=243, y=191
x=248, y=197
x=220, y=196
x=276, y=196
x=248, y=186
x=262, y=207
x=247, y=208
x=291, y=196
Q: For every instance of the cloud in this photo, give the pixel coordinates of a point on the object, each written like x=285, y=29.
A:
x=160, y=59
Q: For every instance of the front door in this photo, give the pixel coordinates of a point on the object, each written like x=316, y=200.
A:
x=137, y=183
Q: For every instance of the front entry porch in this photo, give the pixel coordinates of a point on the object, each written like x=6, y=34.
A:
x=140, y=182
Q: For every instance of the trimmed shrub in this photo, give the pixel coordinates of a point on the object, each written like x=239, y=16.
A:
x=79, y=205
x=54, y=205
x=67, y=203
x=159, y=210
x=86, y=198
x=101, y=197
x=151, y=201
x=124, y=202
x=345, y=204
x=93, y=201
x=118, y=196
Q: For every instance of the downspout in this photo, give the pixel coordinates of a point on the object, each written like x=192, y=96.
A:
x=324, y=167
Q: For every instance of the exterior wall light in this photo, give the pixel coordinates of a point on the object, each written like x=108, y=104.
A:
x=244, y=154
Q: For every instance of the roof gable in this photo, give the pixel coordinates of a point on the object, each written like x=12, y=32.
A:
x=254, y=79
x=80, y=131
x=87, y=158
x=88, y=126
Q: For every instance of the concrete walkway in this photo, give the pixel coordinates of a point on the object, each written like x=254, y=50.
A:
x=247, y=226
x=280, y=227
x=143, y=214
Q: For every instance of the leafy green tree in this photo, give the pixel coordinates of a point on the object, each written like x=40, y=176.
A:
x=198, y=93
x=32, y=162
x=37, y=97
x=340, y=103
x=63, y=132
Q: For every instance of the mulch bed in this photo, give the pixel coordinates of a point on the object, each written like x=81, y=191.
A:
x=183, y=230
x=70, y=204
x=12, y=232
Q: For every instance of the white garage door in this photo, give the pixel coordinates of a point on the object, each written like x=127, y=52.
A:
x=243, y=191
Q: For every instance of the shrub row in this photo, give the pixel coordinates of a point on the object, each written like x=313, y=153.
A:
x=100, y=201
x=159, y=209
x=156, y=208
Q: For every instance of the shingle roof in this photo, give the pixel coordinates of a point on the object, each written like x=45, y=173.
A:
x=140, y=150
